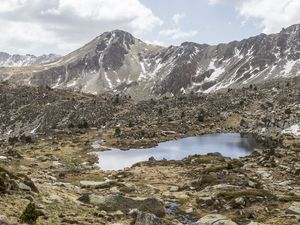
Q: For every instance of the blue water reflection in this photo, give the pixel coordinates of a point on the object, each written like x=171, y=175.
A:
x=230, y=145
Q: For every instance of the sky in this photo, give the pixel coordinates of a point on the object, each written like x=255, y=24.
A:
x=61, y=26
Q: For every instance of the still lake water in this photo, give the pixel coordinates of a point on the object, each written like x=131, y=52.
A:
x=230, y=145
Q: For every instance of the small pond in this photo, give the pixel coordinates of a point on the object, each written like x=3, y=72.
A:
x=231, y=145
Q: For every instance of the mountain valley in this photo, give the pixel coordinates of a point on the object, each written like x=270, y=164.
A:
x=117, y=92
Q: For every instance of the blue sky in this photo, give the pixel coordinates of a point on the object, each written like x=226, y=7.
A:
x=214, y=23
x=61, y=26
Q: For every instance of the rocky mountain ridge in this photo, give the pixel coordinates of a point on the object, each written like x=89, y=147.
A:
x=118, y=62
x=16, y=60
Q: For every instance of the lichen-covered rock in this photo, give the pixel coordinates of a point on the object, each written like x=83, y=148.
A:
x=125, y=204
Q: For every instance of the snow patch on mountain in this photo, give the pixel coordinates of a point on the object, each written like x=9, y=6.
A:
x=294, y=129
x=7, y=60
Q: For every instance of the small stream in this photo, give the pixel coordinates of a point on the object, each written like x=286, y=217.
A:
x=231, y=145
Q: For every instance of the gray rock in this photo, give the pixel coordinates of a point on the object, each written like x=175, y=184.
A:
x=214, y=219
x=152, y=159
x=264, y=175
x=251, y=184
x=174, y=189
x=204, y=201
x=29, y=197
x=55, y=198
x=143, y=218
x=95, y=185
x=189, y=210
x=113, y=203
x=222, y=187
x=240, y=201
x=24, y=187
x=115, y=190
x=294, y=209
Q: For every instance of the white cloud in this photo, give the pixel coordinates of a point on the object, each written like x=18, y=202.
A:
x=139, y=17
x=272, y=14
x=9, y=5
x=38, y=26
x=156, y=42
x=178, y=33
x=177, y=17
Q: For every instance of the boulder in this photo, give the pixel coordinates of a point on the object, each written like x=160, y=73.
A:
x=24, y=187
x=111, y=203
x=240, y=201
x=95, y=184
x=143, y=218
x=214, y=219
x=174, y=189
x=294, y=209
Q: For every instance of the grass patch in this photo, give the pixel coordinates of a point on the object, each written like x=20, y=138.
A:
x=290, y=198
x=215, y=169
x=251, y=193
x=205, y=159
x=233, y=164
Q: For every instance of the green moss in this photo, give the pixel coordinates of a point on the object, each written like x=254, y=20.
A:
x=30, y=214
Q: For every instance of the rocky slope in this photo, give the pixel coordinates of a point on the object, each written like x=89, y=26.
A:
x=47, y=174
x=7, y=60
x=269, y=107
x=118, y=62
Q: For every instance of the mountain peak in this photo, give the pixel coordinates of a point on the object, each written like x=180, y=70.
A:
x=113, y=37
x=117, y=61
x=120, y=34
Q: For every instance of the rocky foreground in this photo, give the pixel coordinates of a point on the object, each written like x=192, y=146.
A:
x=48, y=177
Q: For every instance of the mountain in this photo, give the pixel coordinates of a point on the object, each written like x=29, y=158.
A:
x=118, y=62
x=7, y=60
